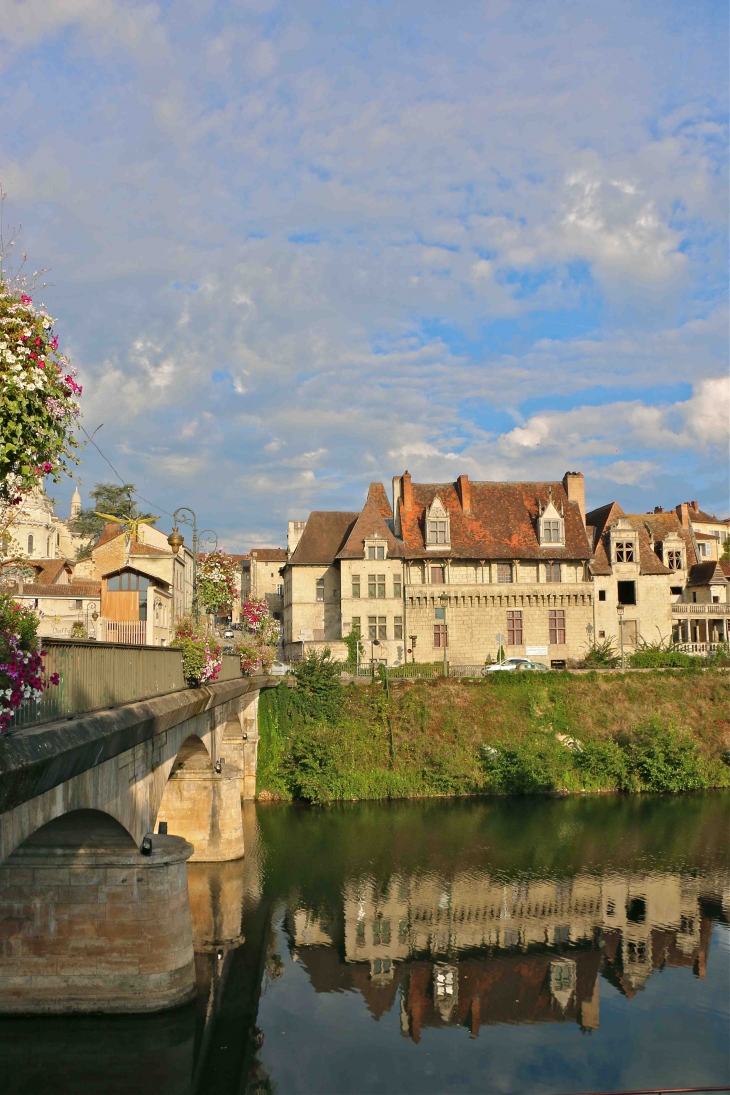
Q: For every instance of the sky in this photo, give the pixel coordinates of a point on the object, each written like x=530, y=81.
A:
x=296, y=247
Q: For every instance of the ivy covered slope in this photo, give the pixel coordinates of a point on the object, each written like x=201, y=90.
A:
x=512, y=734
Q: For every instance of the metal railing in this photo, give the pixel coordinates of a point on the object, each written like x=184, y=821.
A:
x=94, y=675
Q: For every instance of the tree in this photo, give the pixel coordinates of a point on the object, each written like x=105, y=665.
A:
x=109, y=498
x=725, y=556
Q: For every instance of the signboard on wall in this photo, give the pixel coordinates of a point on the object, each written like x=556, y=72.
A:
x=534, y=651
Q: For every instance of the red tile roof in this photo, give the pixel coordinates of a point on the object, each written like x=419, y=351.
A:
x=273, y=555
x=696, y=514
x=651, y=527
x=502, y=522
x=376, y=494
x=73, y=589
x=705, y=574
x=324, y=534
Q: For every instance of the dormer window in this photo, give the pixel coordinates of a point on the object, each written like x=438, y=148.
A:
x=674, y=560
x=551, y=524
x=438, y=531
x=625, y=551
x=376, y=549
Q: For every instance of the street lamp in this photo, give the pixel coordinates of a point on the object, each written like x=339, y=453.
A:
x=444, y=598
x=413, y=639
x=186, y=516
x=94, y=616
x=620, y=610
x=373, y=644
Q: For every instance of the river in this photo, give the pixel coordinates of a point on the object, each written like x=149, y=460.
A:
x=485, y=945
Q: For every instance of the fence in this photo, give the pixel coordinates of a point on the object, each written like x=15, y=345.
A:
x=124, y=631
x=411, y=671
x=94, y=675
x=700, y=648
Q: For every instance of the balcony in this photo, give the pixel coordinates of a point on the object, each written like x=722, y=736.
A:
x=502, y=594
x=700, y=610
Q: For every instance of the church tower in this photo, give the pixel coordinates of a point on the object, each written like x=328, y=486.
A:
x=76, y=503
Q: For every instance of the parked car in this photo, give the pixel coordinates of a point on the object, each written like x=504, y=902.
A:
x=515, y=665
x=279, y=669
x=228, y=635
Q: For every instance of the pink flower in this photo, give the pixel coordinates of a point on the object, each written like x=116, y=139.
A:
x=25, y=299
x=47, y=467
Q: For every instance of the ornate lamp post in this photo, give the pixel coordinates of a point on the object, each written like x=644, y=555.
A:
x=444, y=598
x=94, y=616
x=187, y=516
x=373, y=644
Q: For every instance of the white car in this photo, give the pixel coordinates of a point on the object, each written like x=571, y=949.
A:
x=279, y=669
x=228, y=635
x=512, y=665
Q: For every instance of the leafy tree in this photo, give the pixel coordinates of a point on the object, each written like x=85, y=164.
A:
x=109, y=498
x=725, y=555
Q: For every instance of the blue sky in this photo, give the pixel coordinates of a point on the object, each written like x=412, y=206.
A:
x=295, y=247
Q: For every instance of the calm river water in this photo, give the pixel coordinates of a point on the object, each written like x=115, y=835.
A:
x=514, y=945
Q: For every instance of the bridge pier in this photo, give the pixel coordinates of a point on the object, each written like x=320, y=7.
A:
x=240, y=742
x=87, y=924
x=203, y=805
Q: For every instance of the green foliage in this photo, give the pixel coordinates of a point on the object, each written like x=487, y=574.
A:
x=19, y=620
x=659, y=659
x=118, y=500
x=601, y=655
x=319, y=691
x=78, y=631
x=354, y=646
x=661, y=758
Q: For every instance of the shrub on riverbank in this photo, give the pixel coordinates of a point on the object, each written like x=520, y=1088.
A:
x=513, y=733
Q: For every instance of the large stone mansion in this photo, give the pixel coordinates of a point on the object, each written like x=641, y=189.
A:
x=463, y=568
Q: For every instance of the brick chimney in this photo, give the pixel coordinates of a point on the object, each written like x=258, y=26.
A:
x=464, y=488
x=683, y=514
x=575, y=488
x=694, y=505
x=293, y=536
x=407, y=489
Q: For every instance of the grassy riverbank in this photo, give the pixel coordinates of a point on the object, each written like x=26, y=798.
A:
x=511, y=734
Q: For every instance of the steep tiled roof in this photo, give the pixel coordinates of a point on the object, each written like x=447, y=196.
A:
x=73, y=589
x=705, y=574
x=696, y=514
x=109, y=532
x=324, y=534
x=369, y=523
x=659, y=524
x=273, y=555
x=501, y=522
x=51, y=570
x=725, y=567
x=376, y=494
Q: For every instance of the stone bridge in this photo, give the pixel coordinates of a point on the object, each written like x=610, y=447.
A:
x=99, y=814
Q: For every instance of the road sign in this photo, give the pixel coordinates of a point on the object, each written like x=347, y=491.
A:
x=500, y=638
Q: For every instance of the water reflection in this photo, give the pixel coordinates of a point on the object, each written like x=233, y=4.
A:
x=475, y=950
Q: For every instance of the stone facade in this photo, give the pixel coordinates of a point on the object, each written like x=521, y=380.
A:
x=261, y=580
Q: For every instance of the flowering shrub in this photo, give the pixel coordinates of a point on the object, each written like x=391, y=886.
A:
x=261, y=636
x=216, y=581
x=38, y=396
x=201, y=654
x=21, y=661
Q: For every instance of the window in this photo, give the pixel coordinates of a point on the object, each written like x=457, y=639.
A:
x=601, y=594
x=601, y=634
x=438, y=532
x=128, y=581
x=356, y=585
x=356, y=626
x=30, y=545
x=398, y=627
x=551, y=532
x=372, y=627
x=381, y=585
x=624, y=551
x=360, y=934
x=397, y=585
x=715, y=600
x=556, y=626
x=76, y=606
x=382, y=628
x=552, y=572
x=320, y=589
x=504, y=573
x=674, y=560
x=438, y=576
x=372, y=585
x=675, y=590
x=280, y=591
x=440, y=636
x=694, y=597
x=636, y=910
x=627, y=593
x=376, y=551
x=514, y=628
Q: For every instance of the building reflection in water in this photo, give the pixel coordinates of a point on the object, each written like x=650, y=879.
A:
x=478, y=950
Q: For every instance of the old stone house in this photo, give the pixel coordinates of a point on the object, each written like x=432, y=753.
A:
x=261, y=580
x=49, y=588
x=709, y=532
x=448, y=567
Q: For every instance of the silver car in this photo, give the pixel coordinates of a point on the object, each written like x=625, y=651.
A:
x=279, y=669
x=515, y=665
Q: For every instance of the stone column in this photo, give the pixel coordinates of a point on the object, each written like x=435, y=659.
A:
x=240, y=743
x=204, y=807
x=88, y=924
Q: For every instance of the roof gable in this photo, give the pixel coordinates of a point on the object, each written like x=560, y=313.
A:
x=707, y=574
x=370, y=522
x=376, y=494
x=324, y=534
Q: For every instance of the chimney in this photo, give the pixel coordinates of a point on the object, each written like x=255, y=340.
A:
x=396, y=501
x=658, y=509
x=464, y=489
x=575, y=488
x=694, y=505
x=683, y=514
x=294, y=532
x=407, y=490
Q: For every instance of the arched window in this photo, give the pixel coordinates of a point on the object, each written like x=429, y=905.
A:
x=30, y=544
